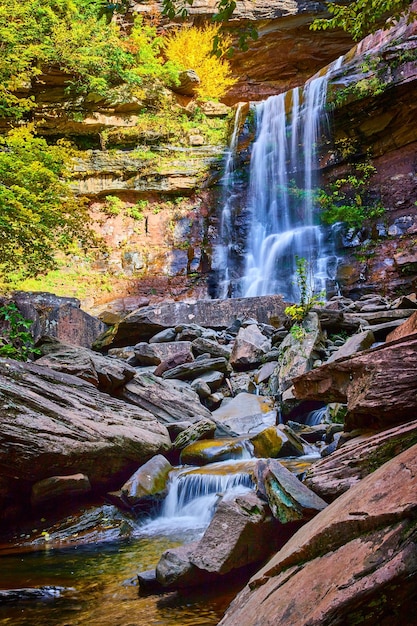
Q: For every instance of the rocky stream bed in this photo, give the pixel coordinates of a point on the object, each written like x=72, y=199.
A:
x=148, y=480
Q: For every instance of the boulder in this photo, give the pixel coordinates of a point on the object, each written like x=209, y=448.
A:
x=59, y=317
x=168, y=334
x=58, y=487
x=356, y=458
x=174, y=361
x=155, y=353
x=201, y=345
x=241, y=532
x=142, y=324
x=204, y=429
x=265, y=372
x=148, y=482
x=54, y=424
x=297, y=354
x=356, y=343
x=407, y=328
x=161, y=399
x=214, y=450
x=246, y=413
x=378, y=385
x=356, y=558
x=249, y=348
x=278, y=441
x=288, y=499
x=194, y=369
x=103, y=372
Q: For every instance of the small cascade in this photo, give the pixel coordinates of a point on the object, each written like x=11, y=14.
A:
x=281, y=199
x=314, y=418
x=194, y=492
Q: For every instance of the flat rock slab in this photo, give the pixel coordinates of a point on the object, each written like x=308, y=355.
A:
x=142, y=324
x=407, y=328
x=356, y=343
x=378, y=385
x=246, y=413
x=55, y=424
x=194, y=369
x=155, y=353
x=358, y=457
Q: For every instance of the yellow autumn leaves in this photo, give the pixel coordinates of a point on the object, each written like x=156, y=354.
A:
x=191, y=48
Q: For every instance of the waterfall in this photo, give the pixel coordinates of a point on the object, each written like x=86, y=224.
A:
x=193, y=494
x=223, y=252
x=280, y=200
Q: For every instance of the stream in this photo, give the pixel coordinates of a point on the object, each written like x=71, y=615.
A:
x=89, y=560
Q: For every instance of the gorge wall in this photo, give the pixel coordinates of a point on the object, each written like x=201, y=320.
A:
x=155, y=189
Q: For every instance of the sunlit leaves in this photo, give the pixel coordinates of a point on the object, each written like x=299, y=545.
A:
x=363, y=16
x=192, y=48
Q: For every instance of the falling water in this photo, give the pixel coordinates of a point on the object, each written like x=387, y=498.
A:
x=194, y=493
x=224, y=251
x=281, y=195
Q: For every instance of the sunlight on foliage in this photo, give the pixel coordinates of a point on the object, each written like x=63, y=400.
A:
x=191, y=48
x=38, y=214
x=363, y=16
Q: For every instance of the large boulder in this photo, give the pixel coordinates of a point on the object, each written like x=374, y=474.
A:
x=288, y=498
x=297, y=354
x=241, y=532
x=103, y=372
x=356, y=560
x=378, y=385
x=59, y=317
x=142, y=324
x=249, y=348
x=155, y=353
x=54, y=424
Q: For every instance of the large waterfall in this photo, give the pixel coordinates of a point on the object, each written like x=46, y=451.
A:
x=280, y=208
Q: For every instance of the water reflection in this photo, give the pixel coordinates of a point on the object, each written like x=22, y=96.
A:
x=100, y=588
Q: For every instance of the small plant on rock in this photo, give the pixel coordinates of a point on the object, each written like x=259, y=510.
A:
x=16, y=341
x=308, y=299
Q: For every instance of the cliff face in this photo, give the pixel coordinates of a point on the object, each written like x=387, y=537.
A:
x=374, y=97
x=155, y=188
x=286, y=52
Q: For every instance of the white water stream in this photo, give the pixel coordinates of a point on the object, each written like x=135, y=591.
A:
x=280, y=201
x=193, y=494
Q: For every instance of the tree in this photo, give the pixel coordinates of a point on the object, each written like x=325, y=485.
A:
x=191, y=48
x=361, y=17
x=38, y=214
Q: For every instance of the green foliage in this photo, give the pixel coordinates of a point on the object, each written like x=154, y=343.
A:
x=297, y=332
x=192, y=47
x=113, y=206
x=38, y=213
x=73, y=35
x=347, y=199
x=361, y=17
x=308, y=299
x=16, y=341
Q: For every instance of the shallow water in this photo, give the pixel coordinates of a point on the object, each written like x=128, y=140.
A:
x=95, y=555
x=100, y=589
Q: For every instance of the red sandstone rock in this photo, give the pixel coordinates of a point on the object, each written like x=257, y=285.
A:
x=379, y=385
x=358, y=457
x=408, y=328
x=357, y=558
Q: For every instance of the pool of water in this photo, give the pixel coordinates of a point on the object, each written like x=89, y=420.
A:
x=99, y=582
